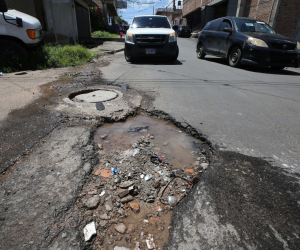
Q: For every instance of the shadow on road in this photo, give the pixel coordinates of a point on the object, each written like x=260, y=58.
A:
x=156, y=61
x=264, y=70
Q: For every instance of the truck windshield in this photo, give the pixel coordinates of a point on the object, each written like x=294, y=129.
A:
x=150, y=22
x=246, y=25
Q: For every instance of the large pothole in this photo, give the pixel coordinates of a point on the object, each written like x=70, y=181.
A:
x=146, y=168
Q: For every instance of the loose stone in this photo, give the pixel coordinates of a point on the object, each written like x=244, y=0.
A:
x=127, y=199
x=126, y=184
x=121, y=228
x=104, y=217
x=92, y=202
x=135, y=207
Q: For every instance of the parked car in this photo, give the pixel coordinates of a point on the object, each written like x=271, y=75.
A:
x=247, y=41
x=150, y=36
x=183, y=30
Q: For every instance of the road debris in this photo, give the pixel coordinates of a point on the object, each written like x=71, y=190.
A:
x=89, y=231
x=138, y=185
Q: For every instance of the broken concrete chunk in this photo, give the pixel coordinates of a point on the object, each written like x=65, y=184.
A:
x=120, y=227
x=123, y=193
x=108, y=208
x=92, y=202
x=104, y=217
x=127, y=199
x=204, y=165
x=89, y=231
x=126, y=184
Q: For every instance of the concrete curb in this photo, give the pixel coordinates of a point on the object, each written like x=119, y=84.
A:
x=111, y=52
x=108, y=39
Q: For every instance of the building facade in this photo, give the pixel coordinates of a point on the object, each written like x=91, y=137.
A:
x=282, y=15
x=63, y=21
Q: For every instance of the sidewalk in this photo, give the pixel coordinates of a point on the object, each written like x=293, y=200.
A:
x=109, y=47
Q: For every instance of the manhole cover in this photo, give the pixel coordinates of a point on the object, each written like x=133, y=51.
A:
x=94, y=96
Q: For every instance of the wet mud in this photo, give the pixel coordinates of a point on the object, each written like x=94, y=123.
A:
x=147, y=167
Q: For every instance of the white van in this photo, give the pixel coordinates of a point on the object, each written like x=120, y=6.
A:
x=18, y=32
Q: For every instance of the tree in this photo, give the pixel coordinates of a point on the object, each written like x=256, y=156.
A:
x=97, y=19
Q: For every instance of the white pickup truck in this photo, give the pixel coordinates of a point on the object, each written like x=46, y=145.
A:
x=18, y=32
x=151, y=36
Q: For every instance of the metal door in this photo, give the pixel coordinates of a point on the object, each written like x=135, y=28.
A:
x=83, y=22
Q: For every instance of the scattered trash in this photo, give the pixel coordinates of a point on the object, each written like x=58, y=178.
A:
x=100, y=146
x=150, y=243
x=142, y=176
x=137, y=246
x=102, y=193
x=172, y=200
x=73, y=65
x=135, y=151
x=158, y=209
x=160, y=172
x=124, y=87
x=148, y=177
x=89, y=231
x=156, y=160
x=113, y=171
x=137, y=129
x=94, y=60
x=1, y=74
x=204, y=165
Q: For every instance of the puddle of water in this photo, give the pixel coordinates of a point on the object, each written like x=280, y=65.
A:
x=180, y=149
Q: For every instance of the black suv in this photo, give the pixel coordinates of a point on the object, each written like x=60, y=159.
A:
x=183, y=30
x=247, y=41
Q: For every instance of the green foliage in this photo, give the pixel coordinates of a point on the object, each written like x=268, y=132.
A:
x=104, y=34
x=121, y=21
x=50, y=56
x=97, y=19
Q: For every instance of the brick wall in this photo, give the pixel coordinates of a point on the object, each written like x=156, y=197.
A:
x=191, y=5
x=261, y=9
x=287, y=18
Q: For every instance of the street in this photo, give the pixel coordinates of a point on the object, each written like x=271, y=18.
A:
x=254, y=111
x=230, y=135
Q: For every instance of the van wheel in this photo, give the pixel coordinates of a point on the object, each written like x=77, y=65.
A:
x=128, y=58
x=12, y=50
x=235, y=57
x=200, y=53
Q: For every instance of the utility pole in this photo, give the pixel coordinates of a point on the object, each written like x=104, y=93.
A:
x=173, y=14
x=153, y=10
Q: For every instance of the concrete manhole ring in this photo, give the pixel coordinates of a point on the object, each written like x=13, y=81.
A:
x=93, y=96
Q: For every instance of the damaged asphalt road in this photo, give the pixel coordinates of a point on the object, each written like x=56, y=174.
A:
x=240, y=202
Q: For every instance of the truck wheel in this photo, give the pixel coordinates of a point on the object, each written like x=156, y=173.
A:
x=174, y=58
x=12, y=50
x=128, y=58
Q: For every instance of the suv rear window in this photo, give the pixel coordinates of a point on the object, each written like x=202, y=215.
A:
x=150, y=22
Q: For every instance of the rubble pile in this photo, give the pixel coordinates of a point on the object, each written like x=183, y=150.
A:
x=133, y=192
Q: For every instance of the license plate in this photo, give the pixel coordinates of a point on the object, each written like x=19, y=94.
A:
x=150, y=51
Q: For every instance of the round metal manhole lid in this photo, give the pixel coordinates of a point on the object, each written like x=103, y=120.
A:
x=96, y=96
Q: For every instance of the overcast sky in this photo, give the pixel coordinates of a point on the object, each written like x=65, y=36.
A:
x=135, y=9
